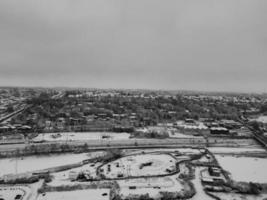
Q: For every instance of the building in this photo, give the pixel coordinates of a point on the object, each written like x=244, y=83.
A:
x=191, y=126
x=212, y=176
x=215, y=171
x=60, y=123
x=73, y=175
x=243, y=131
x=230, y=124
x=218, y=130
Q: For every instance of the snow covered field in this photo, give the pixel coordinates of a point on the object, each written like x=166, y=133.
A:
x=70, y=136
x=245, y=168
x=9, y=193
x=151, y=186
x=32, y=163
x=139, y=165
x=95, y=194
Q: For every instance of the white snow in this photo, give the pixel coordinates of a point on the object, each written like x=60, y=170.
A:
x=32, y=163
x=10, y=192
x=151, y=186
x=70, y=136
x=245, y=168
x=132, y=165
x=62, y=178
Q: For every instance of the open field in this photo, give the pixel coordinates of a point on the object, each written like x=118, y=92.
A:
x=33, y=163
x=171, y=150
x=150, y=186
x=69, y=136
x=245, y=168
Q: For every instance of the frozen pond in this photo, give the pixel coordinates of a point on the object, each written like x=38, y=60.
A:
x=81, y=136
x=31, y=163
x=245, y=168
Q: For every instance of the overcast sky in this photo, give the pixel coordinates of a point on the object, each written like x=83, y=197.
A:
x=211, y=45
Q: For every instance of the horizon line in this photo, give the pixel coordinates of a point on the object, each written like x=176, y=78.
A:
x=135, y=89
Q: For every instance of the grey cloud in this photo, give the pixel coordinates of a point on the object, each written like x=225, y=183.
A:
x=202, y=45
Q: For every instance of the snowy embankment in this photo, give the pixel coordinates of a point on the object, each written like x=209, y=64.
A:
x=79, y=136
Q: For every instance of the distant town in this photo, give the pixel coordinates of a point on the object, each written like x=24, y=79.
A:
x=132, y=144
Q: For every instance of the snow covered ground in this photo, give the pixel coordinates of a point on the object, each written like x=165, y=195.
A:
x=32, y=163
x=10, y=192
x=151, y=186
x=62, y=178
x=70, y=136
x=135, y=165
x=95, y=194
x=245, y=168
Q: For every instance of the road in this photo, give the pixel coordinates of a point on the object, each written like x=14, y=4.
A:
x=257, y=136
x=104, y=143
x=59, y=95
x=7, y=117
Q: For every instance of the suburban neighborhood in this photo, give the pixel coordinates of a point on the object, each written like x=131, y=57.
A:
x=59, y=143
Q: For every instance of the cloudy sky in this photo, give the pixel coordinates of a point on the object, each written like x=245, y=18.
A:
x=206, y=45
